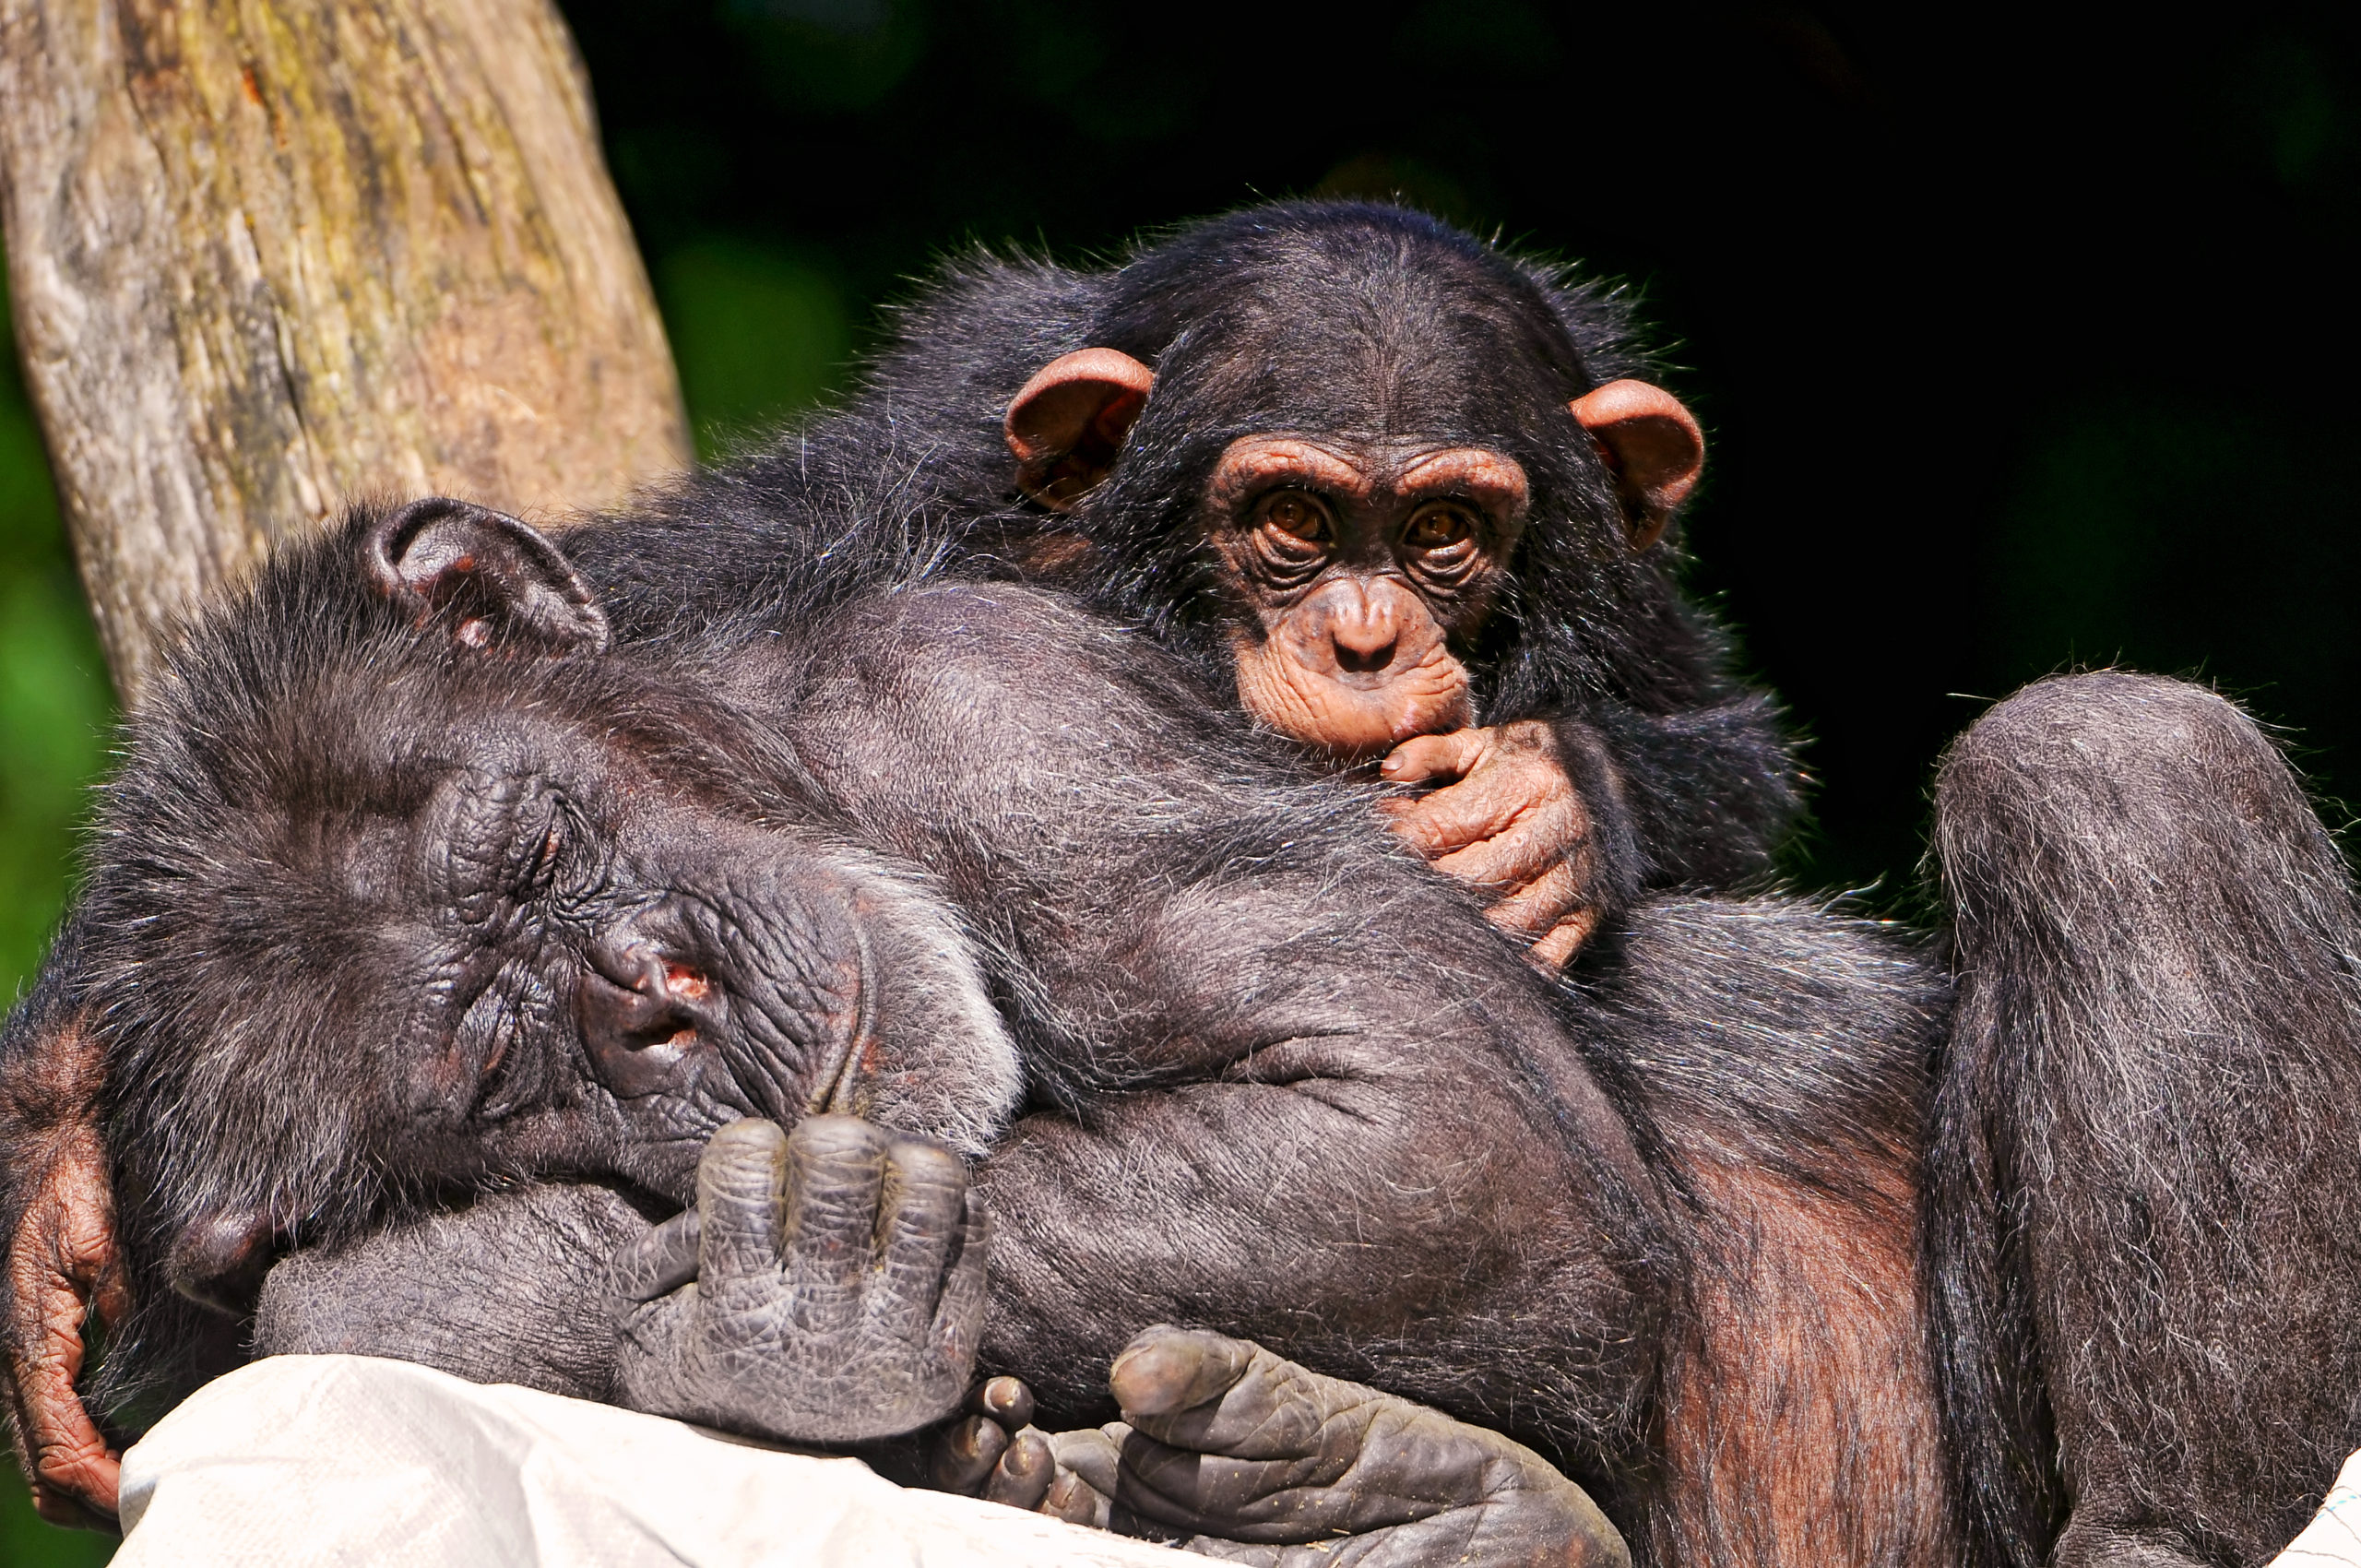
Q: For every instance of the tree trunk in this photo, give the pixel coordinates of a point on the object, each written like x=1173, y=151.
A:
x=270, y=255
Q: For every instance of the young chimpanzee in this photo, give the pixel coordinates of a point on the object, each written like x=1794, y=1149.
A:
x=1399, y=491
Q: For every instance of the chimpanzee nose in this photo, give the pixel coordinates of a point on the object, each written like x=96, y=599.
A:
x=640, y=1016
x=1364, y=636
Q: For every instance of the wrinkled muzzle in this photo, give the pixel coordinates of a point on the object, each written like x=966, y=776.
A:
x=784, y=980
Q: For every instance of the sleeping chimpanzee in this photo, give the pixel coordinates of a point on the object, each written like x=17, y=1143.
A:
x=657, y=877
x=1394, y=489
x=561, y=884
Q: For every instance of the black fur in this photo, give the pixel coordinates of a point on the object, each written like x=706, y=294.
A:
x=1688, y=1261
x=2148, y=1199
x=1324, y=317
x=1280, y=1078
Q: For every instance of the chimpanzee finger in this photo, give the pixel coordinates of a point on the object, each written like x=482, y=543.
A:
x=1090, y=1465
x=1513, y=859
x=1422, y=757
x=959, y=1316
x=1165, y=1369
x=1460, y=814
x=925, y=1203
x=656, y=1263
x=965, y=1452
x=1537, y=906
x=1211, y=1394
x=1557, y=947
x=742, y=1181
x=835, y=1180
x=1008, y=1400
x=1023, y=1477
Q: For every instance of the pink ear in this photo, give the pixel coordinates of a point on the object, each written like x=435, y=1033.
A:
x=1653, y=444
x=1069, y=420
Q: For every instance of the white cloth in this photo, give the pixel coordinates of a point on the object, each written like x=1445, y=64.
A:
x=348, y=1459
x=2334, y=1537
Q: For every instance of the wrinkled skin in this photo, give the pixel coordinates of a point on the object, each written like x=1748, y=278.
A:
x=1510, y=821
x=1252, y=1460
x=1358, y=573
x=1777, y=1054
x=652, y=897
x=905, y=844
x=827, y=1287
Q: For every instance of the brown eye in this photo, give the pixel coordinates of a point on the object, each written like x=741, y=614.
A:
x=1300, y=516
x=1440, y=528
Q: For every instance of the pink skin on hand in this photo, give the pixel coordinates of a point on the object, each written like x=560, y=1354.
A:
x=1510, y=823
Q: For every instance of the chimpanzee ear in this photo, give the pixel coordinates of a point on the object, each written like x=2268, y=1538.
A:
x=1653, y=444
x=502, y=580
x=1069, y=422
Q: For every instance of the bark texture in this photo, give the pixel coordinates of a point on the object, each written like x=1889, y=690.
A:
x=267, y=255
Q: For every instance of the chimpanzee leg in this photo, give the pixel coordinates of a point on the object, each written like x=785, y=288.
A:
x=1780, y=1056
x=2147, y=1221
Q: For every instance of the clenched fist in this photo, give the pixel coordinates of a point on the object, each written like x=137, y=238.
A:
x=827, y=1287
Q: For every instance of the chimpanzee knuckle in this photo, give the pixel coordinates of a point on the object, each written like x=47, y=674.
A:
x=1503, y=866
x=921, y=1250
x=1538, y=905
x=960, y=1311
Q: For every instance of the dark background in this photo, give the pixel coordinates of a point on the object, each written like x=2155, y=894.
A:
x=2023, y=340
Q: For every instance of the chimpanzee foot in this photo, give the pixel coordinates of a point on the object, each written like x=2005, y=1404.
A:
x=1253, y=1459
x=827, y=1287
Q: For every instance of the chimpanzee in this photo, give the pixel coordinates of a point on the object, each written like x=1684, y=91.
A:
x=1769, y=1113
x=562, y=881
x=1390, y=489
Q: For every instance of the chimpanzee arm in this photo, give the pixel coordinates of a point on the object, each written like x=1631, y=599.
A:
x=1265, y=1103
x=1709, y=793
x=505, y=1290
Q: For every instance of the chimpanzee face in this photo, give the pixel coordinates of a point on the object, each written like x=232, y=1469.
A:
x=1356, y=540
x=1354, y=564
x=423, y=877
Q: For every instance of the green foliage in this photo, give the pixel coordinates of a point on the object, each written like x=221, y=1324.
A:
x=757, y=334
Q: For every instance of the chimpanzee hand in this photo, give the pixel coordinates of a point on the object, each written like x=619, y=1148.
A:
x=834, y=1287
x=62, y=1263
x=1253, y=1459
x=1513, y=824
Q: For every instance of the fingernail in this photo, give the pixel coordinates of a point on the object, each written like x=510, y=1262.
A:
x=1007, y=1400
